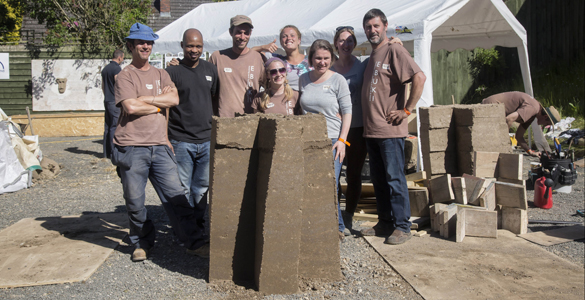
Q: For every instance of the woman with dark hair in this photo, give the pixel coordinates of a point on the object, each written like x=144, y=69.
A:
x=326, y=92
x=296, y=62
x=278, y=97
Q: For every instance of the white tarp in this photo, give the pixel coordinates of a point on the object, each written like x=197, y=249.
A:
x=434, y=25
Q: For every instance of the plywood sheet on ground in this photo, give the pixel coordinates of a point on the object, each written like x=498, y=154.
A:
x=556, y=236
x=508, y=267
x=50, y=250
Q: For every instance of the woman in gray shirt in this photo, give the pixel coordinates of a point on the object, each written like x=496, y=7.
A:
x=326, y=92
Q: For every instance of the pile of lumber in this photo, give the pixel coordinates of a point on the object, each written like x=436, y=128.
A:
x=493, y=198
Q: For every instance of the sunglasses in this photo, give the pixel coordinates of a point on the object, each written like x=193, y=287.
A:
x=273, y=72
x=344, y=27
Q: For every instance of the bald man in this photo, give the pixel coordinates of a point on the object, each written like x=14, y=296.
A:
x=190, y=121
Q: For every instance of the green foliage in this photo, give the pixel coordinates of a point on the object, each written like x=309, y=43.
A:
x=94, y=24
x=485, y=60
x=10, y=20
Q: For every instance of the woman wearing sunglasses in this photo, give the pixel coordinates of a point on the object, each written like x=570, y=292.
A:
x=295, y=62
x=352, y=69
x=278, y=97
x=326, y=92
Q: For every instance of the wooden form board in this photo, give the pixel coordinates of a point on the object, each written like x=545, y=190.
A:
x=488, y=198
x=448, y=221
x=475, y=222
x=415, y=177
x=515, y=220
x=510, y=166
x=485, y=164
x=458, y=184
x=511, y=195
x=474, y=187
x=556, y=236
x=419, y=201
x=440, y=189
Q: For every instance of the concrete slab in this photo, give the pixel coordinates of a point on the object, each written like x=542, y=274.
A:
x=478, y=268
x=52, y=250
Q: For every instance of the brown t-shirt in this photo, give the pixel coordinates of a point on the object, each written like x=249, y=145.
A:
x=239, y=80
x=388, y=69
x=522, y=103
x=148, y=130
x=278, y=104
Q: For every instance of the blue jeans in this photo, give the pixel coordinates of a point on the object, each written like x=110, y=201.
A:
x=157, y=164
x=337, y=165
x=387, y=173
x=193, y=165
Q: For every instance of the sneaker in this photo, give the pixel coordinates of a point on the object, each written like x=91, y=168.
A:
x=202, y=251
x=139, y=254
x=378, y=230
x=398, y=237
x=346, y=232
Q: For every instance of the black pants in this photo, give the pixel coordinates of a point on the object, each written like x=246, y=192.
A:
x=355, y=155
x=112, y=114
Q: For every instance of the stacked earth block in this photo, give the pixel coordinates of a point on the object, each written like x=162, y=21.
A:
x=437, y=139
x=272, y=202
x=451, y=133
x=479, y=127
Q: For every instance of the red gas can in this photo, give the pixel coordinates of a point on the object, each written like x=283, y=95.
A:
x=543, y=193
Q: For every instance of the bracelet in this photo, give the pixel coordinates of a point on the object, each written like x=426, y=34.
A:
x=158, y=110
x=344, y=141
x=406, y=111
x=530, y=151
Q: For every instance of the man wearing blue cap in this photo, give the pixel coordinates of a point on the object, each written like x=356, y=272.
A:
x=143, y=151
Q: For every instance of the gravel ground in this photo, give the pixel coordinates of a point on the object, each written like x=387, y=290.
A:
x=89, y=184
x=564, y=208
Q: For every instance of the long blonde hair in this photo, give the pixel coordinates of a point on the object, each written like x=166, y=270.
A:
x=265, y=98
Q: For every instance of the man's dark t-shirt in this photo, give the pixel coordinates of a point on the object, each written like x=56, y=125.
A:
x=108, y=80
x=190, y=121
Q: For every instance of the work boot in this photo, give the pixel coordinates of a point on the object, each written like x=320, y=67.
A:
x=378, y=230
x=139, y=254
x=202, y=251
x=398, y=237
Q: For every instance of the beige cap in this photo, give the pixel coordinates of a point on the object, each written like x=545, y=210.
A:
x=553, y=114
x=239, y=20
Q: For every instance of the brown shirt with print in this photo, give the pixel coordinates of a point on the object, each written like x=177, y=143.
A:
x=239, y=80
x=278, y=104
x=522, y=103
x=383, y=90
x=147, y=130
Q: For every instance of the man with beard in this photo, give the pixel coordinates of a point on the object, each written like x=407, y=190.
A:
x=190, y=121
x=143, y=152
x=385, y=109
x=240, y=70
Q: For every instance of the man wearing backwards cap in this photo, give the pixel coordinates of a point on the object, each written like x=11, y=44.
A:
x=240, y=70
x=522, y=108
x=142, y=150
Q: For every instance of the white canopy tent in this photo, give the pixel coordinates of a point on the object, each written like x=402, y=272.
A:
x=434, y=25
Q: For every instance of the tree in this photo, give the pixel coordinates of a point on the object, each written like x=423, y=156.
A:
x=93, y=24
x=10, y=20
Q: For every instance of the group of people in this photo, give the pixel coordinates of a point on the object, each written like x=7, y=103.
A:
x=364, y=104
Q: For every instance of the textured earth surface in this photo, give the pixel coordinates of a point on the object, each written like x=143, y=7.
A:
x=88, y=184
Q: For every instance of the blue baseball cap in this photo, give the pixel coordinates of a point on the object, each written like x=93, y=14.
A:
x=141, y=32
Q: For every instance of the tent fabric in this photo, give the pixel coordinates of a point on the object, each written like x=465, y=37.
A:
x=432, y=24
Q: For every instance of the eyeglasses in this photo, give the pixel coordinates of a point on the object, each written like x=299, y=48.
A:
x=343, y=27
x=273, y=72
